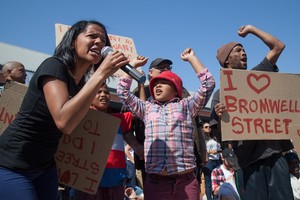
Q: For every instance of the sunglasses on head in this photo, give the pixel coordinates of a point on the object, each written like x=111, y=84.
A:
x=163, y=67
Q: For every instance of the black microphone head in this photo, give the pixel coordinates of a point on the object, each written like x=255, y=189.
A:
x=105, y=51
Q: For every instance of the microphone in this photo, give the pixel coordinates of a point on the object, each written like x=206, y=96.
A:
x=128, y=69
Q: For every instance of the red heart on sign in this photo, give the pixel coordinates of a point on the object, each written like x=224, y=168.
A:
x=258, y=88
x=65, y=177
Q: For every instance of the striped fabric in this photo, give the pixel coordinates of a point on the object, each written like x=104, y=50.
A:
x=115, y=170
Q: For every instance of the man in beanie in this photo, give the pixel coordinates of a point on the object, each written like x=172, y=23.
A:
x=264, y=170
x=169, y=133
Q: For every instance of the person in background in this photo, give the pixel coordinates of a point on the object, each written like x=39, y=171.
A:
x=261, y=160
x=2, y=80
x=131, y=177
x=225, y=173
x=213, y=149
x=169, y=157
x=132, y=189
x=14, y=71
x=229, y=145
x=56, y=101
x=112, y=185
x=293, y=162
x=157, y=66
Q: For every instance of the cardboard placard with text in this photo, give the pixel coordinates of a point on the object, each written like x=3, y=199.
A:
x=260, y=105
x=10, y=103
x=120, y=43
x=81, y=156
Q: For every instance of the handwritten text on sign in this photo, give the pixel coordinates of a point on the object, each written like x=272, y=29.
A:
x=120, y=43
x=260, y=105
x=10, y=103
x=81, y=157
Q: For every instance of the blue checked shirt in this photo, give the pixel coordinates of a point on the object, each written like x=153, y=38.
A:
x=168, y=126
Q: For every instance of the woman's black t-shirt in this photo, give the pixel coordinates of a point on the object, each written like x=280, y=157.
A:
x=31, y=141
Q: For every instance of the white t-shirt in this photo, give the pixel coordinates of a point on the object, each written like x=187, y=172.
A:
x=212, y=145
x=229, y=178
x=296, y=186
x=226, y=172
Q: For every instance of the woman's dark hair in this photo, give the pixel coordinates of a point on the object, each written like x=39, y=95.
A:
x=65, y=49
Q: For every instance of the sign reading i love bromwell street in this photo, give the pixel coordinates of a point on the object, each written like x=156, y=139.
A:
x=260, y=105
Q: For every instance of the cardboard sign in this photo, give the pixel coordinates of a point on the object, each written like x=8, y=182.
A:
x=260, y=105
x=120, y=43
x=123, y=44
x=60, y=30
x=81, y=156
x=10, y=103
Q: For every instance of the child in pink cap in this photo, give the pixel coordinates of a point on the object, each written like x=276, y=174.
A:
x=169, y=148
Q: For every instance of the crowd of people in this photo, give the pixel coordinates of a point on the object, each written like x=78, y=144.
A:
x=166, y=150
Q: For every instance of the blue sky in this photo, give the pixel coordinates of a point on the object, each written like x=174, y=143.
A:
x=162, y=28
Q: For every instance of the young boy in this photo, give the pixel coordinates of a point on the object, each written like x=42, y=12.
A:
x=112, y=185
x=169, y=150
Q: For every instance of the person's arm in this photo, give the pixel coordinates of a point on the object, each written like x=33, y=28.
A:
x=139, y=61
x=141, y=90
x=206, y=157
x=132, y=142
x=276, y=47
x=133, y=103
x=68, y=112
x=216, y=191
x=189, y=55
x=214, y=152
x=202, y=145
x=128, y=154
x=214, y=120
x=218, y=110
x=215, y=185
x=202, y=95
